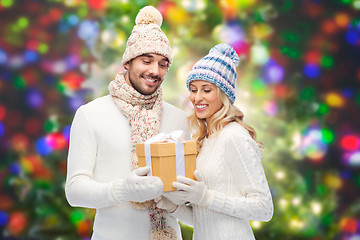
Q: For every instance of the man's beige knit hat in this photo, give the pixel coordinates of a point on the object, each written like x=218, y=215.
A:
x=147, y=37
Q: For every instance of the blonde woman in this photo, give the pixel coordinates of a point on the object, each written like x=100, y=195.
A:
x=231, y=186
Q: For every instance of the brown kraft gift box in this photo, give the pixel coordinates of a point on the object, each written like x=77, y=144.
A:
x=163, y=161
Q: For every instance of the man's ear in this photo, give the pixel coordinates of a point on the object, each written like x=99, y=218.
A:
x=126, y=65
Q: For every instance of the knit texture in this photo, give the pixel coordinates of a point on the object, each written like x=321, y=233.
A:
x=99, y=162
x=144, y=114
x=230, y=165
x=219, y=68
x=147, y=36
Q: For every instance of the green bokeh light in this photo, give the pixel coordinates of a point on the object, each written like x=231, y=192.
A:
x=77, y=217
x=43, y=48
x=307, y=93
x=291, y=52
x=346, y=1
x=6, y=3
x=258, y=86
x=323, y=109
x=327, y=62
x=327, y=135
x=23, y=22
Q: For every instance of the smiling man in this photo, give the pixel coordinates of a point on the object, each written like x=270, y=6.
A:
x=103, y=170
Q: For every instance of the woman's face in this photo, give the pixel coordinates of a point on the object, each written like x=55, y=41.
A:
x=204, y=97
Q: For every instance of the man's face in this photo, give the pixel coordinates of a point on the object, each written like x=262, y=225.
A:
x=145, y=73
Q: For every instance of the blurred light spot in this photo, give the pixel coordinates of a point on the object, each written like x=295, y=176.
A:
x=332, y=181
x=3, y=57
x=274, y=73
x=311, y=71
x=334, y=100
x=43, y=48
x=350, y=142
x=352, y=37
x=73, y=20
x=280, y=175
x=7, y=3
x=356, y=4
x=2, y=129
x=2, y=112
x=327, y=62
x=296, y=224
x=270, y=108
x=313, y=57
x=354, y=159
x=316, y=207
x=23, y=22
x=88, y=31
x=15, y=168
x=348, y=225
x=66, y=132
x=312, y=144
x=259, y=54
x=327, y=135
x=56, y=141
x=20, y=142
x=42, y=147
x=342, y=19
x=259, y=87
x=307, y=93
x=34, y=98
x=4, y=218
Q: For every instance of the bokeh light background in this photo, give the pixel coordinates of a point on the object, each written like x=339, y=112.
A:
x=298, y=87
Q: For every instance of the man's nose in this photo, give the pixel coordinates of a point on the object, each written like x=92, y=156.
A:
x=154, y=69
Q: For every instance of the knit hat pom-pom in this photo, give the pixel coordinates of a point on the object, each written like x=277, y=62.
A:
x=227, y=50
x=148, y=15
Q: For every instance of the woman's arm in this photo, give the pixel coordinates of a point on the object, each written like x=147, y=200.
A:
x=244, y=158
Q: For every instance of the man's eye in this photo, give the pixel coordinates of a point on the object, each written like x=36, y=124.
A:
x=164, y=65
x=147, y=62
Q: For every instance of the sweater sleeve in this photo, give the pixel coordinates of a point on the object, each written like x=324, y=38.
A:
x=184, y=214
x=81, y=189
x=244, y=158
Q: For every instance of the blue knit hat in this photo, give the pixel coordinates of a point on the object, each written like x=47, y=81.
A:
x=219, y=68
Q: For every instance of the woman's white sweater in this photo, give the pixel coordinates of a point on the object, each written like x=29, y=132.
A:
x=100, y=158
x=230, y=165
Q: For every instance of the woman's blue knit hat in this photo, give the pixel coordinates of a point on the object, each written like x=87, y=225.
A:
x=219, y=68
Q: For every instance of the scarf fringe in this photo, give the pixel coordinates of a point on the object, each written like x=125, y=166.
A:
x=167, y=233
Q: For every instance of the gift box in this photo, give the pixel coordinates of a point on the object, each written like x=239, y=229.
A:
x=168, y=160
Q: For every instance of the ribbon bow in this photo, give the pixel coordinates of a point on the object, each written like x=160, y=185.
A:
x=174, y=136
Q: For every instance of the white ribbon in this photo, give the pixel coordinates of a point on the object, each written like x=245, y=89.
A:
x=174, y=136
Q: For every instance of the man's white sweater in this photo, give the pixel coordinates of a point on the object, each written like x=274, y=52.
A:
x=100, y=158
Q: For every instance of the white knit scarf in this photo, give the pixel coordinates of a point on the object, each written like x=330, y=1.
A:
x=144, y=115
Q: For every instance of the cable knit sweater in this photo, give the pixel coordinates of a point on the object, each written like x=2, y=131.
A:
x=99, y=160
x=230, y=165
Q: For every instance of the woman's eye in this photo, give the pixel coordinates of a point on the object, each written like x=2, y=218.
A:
x=193, y=90
x=207, y=90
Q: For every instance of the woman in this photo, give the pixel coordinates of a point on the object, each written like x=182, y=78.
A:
x=231, y=188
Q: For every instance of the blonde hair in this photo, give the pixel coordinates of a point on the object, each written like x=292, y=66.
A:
x=227, y=114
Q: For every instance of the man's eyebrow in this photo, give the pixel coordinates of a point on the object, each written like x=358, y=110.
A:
x=150, y=56
x=147, y=55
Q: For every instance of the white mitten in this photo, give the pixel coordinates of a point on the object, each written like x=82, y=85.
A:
x=195, y=192
x=176, y=197
x=164, y=203
x=141, y=188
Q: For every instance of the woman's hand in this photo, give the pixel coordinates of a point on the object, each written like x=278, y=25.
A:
x=192, y=191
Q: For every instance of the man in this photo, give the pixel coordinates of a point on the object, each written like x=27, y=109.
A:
x=102, y=164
